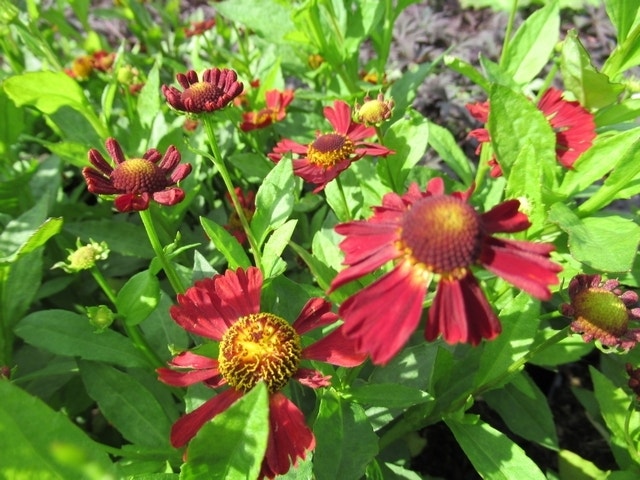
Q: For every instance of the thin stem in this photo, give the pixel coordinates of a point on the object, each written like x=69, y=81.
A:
x=133, y=331
x=507, y=34
x=167, y=266
x=226, y=178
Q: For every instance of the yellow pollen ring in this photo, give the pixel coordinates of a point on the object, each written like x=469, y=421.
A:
x=259, y=347
x=329, y=149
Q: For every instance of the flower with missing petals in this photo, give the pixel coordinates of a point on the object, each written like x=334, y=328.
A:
x=215, y=91
x=136, y=181
x=434, y=235
x=601, y=311
x=322, y=160
x=374, y=111
x=275, y=111
x=254, y=346
x=573, y=125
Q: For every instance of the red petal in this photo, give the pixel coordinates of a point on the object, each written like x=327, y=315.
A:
x=170, y=196
x=98, y=161
x=132, y=202
x=184, y=379
x=188, y=425
x=97, y=183
x=316, y=313
x=289, y=437
x=312, y=378
x=238, y=293
x=396, y=294
x=115, y=151
x=506, y=218
x=339, y=116
x=335, y=349
x=460, y=312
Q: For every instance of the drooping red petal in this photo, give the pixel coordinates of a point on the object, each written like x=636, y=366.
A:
x=289, y=437
x=178, y=378
x=316, y=313
x=132, y=202
x=98, y=161
x=97, y=183
x=335, y=348
x=187, y=426
x=312, y=378
x=317, y=175
x=523, y=264
x=461, y=313
x=506, y=218
x=170, y=196
x=153, y=155
x=382, y=316
x=115, y=151
x=286, y=146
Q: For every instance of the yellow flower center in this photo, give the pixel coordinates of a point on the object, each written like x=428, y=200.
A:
x=598, y=309
x=330, y=149
x=443, y=234
x=138, y=175
x=259, y=347
x=374, y=111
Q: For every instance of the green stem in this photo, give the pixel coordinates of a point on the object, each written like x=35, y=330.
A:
x=344, y=198
x=133, y=331
x=226, y=178
x=509, y=29
x=167, y=266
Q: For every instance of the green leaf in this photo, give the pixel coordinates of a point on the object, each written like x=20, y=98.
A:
x=493, y=454
x=138, y=297
x=226, y=243
x=404, y=90
x=344, y=196
x=525, y=410
x=391, y=395
x=531, y=46
x=127, y=404
x=69, y=334
x=408, y=137
x=443, y=142
x=272, y=264
x=274, y=200
x=37, y=442
x=49, y=92
x=590, y=167
x=526, y=180
x=321, y=272
x=253, y=14
x=148, y=99
x=233, y=444
x=623, y=16
x=27, y=233
x=568, y=350
x=515, y=123
x=592, y=89
x=604, y=243
x=468, y=71
x=573, y=466
x=337, y=455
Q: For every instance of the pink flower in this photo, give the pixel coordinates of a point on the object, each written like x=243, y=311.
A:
x=329, y=154
x=434, y=235
x=253, y=346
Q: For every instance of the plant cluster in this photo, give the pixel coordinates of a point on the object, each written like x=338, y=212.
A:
x=223, y=254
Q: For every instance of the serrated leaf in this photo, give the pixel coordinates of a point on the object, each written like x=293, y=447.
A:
x=531, y=46
x=493, y=454
x=226, y=243
x=69, y=334
x=345, y=440
x=516, y=123
x=138, y=297
x=525, y=410
x=233, y=444
x=127, y=404
x=274, y=200
x=605, y=243
x=37, y=442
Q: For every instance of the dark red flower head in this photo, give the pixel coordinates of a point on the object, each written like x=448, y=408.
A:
x=254, y=346
x=137, y=180
x=434, y=235
x=573, y=125
x=601, y=311
x=322, y=160
x=216, y=90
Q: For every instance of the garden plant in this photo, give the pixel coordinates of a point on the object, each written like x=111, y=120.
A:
x=233, y=248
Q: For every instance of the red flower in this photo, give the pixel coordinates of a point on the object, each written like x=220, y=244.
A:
x=198, y=28
x=573, y=124
x=329, y=154
x=248, y=204
x=275, y=111
x=601, y=311
x=216, y=90
x=254, y=346
x=138, y=180
x=430, y=234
